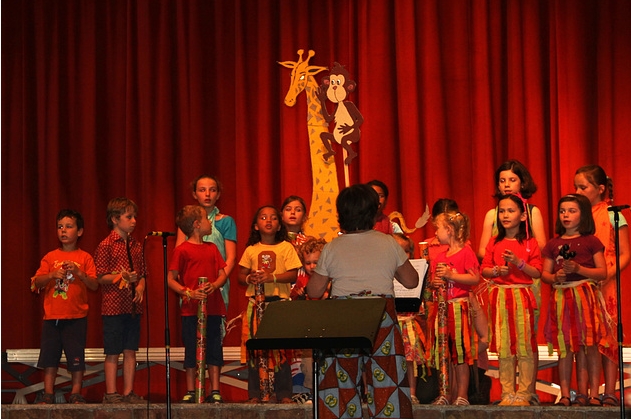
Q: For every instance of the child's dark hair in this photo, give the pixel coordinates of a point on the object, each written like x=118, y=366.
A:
x=586, y=225
x=459, y=223
x=381, y=185
x=310, y=246
x=255, y=235
x=119, y=206
x=357, y=207
x=528, y=187
x=524, y=226
x=596, y=176
x=205, y=176
x=443, y=205
x=70, y=213
x=187, y=216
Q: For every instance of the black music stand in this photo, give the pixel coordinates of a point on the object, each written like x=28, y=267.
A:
x=319, y=325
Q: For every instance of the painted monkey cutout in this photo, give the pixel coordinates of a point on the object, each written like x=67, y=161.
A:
x=336, y=87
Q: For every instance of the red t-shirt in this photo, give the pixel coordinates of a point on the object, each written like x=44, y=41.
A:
x=198, y=260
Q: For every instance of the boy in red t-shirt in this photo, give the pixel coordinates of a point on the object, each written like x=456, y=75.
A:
x=64, y=275
x=191, y=260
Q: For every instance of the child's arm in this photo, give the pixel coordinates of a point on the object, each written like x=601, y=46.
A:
x=510, y=257
x=184, y=292
x=625, y=250
x=472, y=277
x=90, y=282
x=487, y=230
x=244, y=274
x=317, y=285
x=140, y=290
x=40, y=281
x=221, y=280
x=113, y=278
x=537, y=227
x=546, y=274
x=598, y=273
x=231, y=256
x=263, y=277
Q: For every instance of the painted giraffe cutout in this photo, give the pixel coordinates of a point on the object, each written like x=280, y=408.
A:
x=322, y=220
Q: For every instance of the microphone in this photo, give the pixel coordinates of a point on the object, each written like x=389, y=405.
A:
x=617, y=208
x=160, y=233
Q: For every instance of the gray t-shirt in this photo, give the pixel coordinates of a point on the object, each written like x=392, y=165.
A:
x=360, y=262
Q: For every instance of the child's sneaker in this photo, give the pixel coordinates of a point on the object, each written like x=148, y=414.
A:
x=113, y=398
x=76, y=398
x=133, y=398
x=45, y=398
x=189, y=397
x=214, y=397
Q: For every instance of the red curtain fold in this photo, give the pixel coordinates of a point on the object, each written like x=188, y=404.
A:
x=137, y=98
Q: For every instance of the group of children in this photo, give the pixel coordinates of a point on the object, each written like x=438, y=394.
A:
x=65, y=275
x=515, y=257
x=492, y=298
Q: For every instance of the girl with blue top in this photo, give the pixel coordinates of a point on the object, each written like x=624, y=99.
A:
x=207, y=191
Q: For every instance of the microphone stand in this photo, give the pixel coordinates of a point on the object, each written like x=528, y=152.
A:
x=167, y=333
x=616, y=224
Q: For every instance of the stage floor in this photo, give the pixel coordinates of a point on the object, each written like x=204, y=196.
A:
x=277, y=411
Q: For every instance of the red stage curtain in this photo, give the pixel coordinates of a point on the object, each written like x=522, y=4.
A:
x=136, y=98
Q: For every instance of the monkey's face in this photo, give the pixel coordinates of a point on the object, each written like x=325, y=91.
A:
x=337, y=88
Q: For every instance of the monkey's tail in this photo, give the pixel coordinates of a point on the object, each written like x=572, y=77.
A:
x=394, y=215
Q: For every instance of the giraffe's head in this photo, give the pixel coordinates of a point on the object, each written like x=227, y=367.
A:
x=301, y=72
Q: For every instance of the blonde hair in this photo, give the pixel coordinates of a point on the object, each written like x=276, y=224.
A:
x=459, y=223
x=187, y=217
x=312, y=245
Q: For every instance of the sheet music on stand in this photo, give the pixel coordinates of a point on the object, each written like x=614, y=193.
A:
x=409, y=300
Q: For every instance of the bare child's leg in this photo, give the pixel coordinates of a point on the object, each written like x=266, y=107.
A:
x=594, y=368
x=129, y=371
x=582, y=376
x=565, y=373
x=214, y=371
x=610, y=370
x=50, y=373
x=480, y=322
x=110, y=368
x=461, y=386
x=411, y=379
x=77, y=382
x=190, y=379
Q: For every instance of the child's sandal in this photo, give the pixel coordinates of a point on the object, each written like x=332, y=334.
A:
x=594, y=401
x=580, y=400
x=564, y=401
x=610, y=400
x=441, y=401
